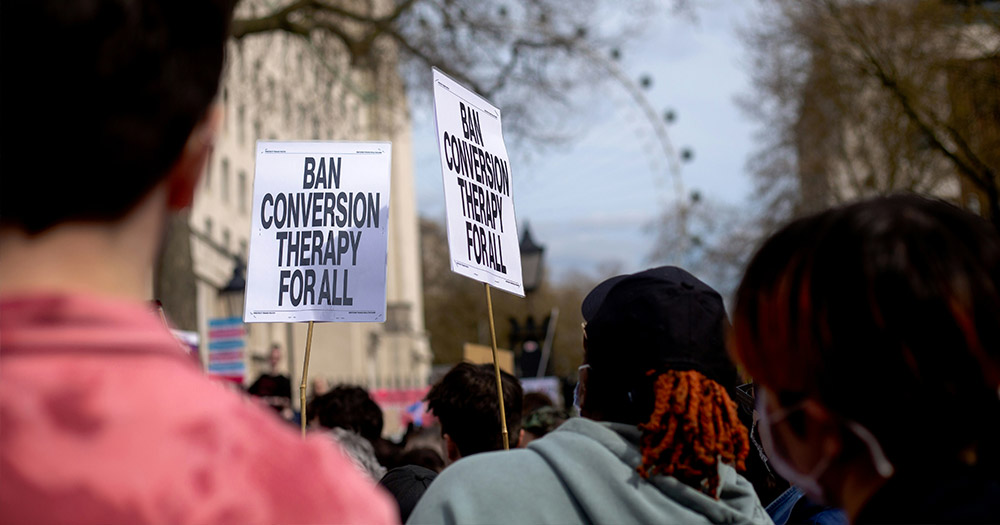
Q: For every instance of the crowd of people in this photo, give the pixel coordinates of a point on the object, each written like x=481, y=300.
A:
x=858, y=382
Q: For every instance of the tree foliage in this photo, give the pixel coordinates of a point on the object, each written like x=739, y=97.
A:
x=527, y=56
x=455, y=308
x=858, y=98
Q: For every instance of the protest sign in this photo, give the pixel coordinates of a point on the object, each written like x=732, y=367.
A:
x=225, y=349
x=482, y=229
x=319, y=231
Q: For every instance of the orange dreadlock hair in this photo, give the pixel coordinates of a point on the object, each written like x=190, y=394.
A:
x=693, y=426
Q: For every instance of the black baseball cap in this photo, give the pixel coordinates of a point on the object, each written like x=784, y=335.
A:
x=659, y=319
x=407, y=484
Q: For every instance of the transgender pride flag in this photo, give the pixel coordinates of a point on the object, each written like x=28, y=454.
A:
x=225, y=349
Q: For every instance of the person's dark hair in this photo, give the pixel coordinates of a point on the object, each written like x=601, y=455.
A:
x=543, y=420
x=533, y=401
x=349, y=407
x=887, y=312
x=465, y=401
x=407, y=485
x=423, y=457
x=99, y=98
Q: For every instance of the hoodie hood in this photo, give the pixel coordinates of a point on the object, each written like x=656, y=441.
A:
x=597, y=463
x=583, y=472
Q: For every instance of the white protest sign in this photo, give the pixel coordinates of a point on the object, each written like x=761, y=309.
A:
x=319, y=230
x=482, y=229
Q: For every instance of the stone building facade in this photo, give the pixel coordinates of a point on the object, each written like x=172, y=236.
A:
x=280, y=86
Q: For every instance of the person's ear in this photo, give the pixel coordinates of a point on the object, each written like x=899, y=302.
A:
x=520, y=439
x=452, y=449
x=190, y=165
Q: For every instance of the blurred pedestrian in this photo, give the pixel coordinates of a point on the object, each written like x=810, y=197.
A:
x=541, y=421
x=273, y=387
x=873, y=333
x=351, y=407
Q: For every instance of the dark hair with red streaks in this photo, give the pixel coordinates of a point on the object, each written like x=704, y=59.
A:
x=694, y=426
x=887, y=312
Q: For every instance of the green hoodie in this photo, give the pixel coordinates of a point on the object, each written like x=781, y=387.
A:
x=583, y=472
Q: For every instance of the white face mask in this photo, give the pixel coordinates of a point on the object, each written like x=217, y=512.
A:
x=809, y=482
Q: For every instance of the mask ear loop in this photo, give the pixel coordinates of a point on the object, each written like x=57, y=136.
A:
x=882, y=463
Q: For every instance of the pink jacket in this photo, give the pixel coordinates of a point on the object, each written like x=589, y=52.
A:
x=104, y=419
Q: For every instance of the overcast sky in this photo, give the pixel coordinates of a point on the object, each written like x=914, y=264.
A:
x=589, y=204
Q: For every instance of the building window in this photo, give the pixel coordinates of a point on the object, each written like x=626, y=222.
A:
x=242, y=182
x=257, y=130
x=397, y=318
x=225, y=180
x=208, y=171
x=288, y=108
x=241, y=130
x=225, y=110
x=225, y=238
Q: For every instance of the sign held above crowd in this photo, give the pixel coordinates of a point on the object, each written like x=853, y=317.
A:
x=482, y=228
x=479, y=206
x=319, y=232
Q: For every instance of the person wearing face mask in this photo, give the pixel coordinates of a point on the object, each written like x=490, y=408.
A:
x=873, y=334
x=659, y=441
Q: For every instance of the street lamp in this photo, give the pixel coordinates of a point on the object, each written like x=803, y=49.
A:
x=531, y=261
x=527, y=337
x=235, y=290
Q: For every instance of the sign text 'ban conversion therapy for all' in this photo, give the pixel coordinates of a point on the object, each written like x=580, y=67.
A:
x=319, y=232
x=482, y=229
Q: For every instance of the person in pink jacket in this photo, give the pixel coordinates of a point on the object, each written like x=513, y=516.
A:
x=108, y=119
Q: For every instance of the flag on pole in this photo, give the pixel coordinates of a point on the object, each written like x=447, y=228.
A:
x=226, y=345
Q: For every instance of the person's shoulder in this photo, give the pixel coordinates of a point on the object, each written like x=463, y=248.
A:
x=181, y=447
x=483, y=487
x=292, y=479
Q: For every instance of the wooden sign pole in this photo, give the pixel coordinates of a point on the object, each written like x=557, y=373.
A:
x=305, y=378
x=496, y=367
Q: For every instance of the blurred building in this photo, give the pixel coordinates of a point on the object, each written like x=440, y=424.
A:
x=279, y=86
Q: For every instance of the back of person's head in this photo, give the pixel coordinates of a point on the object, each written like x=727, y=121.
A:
x=533, y=401
x=99, y=100
x=465, y=402
x=655, y=349
x=428, y=458
x=887, y=313
x=407, y=485
x=359, y=450
x=540, y=422
x=350, y=407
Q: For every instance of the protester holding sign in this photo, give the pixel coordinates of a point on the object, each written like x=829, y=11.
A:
x=107, y=124
x=659, y=440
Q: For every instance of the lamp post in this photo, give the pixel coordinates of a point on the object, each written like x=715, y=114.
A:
x=527, y=337
x=531, y=262
x=234, y=291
